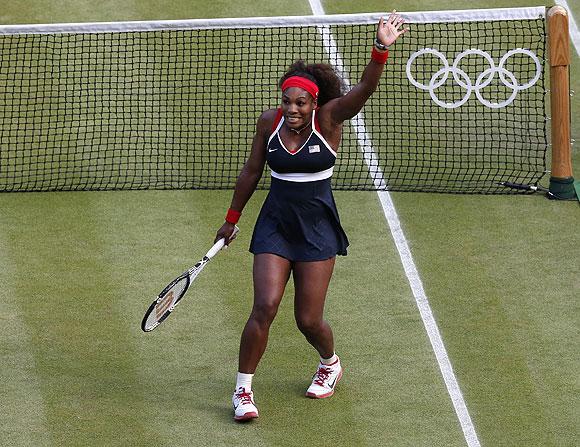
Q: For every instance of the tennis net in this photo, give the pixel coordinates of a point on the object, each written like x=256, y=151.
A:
x=173, y=104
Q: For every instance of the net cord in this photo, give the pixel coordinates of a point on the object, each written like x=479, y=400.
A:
x=469, y=15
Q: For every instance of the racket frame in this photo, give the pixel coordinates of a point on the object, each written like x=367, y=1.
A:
x=189, y=276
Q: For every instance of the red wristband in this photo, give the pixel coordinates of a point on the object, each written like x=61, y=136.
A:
x=233, y=216
x=379, y=56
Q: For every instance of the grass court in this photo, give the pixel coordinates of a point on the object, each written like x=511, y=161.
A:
x=78, y=269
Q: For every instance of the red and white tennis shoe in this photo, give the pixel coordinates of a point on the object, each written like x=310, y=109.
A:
x=325, y=380
x=244, y=406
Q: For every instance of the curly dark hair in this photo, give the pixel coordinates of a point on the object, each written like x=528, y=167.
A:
x=323, y=75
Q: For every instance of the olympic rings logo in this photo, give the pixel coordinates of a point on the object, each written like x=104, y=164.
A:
x=483, y=80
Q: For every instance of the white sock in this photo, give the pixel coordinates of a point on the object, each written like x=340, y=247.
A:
x=329, y=361
x=244, y=381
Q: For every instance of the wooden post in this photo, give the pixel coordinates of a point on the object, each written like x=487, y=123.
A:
x=561, y=180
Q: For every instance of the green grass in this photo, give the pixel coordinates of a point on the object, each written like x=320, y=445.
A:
x=77, y=271
x=97, y=265
x=501, y=275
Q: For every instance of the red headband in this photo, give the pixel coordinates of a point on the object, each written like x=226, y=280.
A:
x=303, y=83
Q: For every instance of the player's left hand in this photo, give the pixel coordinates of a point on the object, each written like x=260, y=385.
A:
x=389, y=30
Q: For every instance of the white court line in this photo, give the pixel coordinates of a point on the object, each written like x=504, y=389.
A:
x=24, y=420
x=403, y=248
x=574, y=31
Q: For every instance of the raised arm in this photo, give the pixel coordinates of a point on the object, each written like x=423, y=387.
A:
x=347, y=106
x=251, y=172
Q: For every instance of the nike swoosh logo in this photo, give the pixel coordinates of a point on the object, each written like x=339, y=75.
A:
x=272, y=150
x=333, y=382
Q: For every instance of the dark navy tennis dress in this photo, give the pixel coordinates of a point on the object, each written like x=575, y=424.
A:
x=299, y=220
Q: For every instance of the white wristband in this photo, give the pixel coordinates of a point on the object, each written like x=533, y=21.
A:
x=381, y=46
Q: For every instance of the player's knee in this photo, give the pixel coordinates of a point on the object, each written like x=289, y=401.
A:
x=264, y=312
x=308, y=324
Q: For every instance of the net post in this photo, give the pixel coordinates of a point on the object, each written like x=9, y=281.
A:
x=561, y=180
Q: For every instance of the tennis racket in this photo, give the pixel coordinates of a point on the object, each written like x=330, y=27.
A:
x=523, y=187
x=169, y=297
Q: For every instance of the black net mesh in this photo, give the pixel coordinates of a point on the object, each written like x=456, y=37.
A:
x=177, y=109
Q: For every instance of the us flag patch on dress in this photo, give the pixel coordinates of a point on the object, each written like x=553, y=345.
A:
x=314, y=148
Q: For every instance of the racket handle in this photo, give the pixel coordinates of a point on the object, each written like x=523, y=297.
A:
x=518, y=186
x=220, y=244
x=526, y=187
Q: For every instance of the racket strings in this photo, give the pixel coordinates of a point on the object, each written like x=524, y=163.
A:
x=166, y=303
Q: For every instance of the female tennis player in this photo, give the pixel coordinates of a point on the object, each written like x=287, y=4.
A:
x=298, y=230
